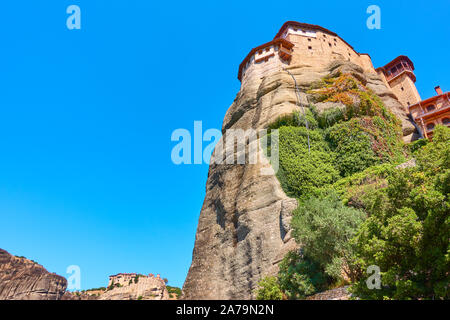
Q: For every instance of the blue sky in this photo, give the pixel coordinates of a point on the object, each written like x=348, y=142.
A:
x=86, y=115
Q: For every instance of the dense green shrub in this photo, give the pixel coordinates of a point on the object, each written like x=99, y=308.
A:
x=296, y=119
x=289, y=120
x=352, y=146
x=269, y=289
x=416, y=145
x=408, y=229
x=300, y=277
x=301, y=172
x=362, y=142
x=355, y=189
x=329, y=117
x=324, y=227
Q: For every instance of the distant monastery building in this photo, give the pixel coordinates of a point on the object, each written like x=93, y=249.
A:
x=297, y=43
x=125, y=279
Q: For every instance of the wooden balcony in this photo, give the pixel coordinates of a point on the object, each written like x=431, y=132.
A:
x=284, y=53
x=425, y=114
x=401, y=68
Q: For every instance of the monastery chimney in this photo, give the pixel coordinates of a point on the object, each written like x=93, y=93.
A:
x=438, y=90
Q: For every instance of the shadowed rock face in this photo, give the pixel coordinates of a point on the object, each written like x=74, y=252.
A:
x=243, y=230
x=22, y=279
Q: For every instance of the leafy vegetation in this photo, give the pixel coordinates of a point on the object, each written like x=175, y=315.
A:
x=175, y=290
x=269, y=289
x=407, y=232
x=356, y=208
x=299, y=276
x=302, y=173
x=342, y=141
x=324, y=227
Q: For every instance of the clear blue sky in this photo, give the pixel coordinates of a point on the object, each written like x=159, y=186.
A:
x=86, y=115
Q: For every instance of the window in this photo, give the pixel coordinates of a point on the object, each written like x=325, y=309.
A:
x=403, y=89
x=335, y=40
x=309, y=39
x=260, y=52
x=329, y=44
x=430, y=108
x=430, y=126
x=446, y=121
x=310, y=48
x=267, y=49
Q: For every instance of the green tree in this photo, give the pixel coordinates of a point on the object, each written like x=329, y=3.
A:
x=407, y=233
x=323, y=227
x=269, y=289
x=300, y=277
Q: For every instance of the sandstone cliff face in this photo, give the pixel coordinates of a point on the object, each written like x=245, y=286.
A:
x=150, y=288
x=22, y=279
x=243, y=230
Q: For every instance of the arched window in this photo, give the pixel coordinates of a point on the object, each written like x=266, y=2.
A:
x=430, y=126
x=430, y=108
x=446, y=121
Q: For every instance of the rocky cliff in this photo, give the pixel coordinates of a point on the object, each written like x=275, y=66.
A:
x=23, y=279
x=243, y=230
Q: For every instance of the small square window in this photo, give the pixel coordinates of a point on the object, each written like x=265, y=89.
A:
x=329, y=44
x=310, y=48
x=403, y=89
x=309, y=39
